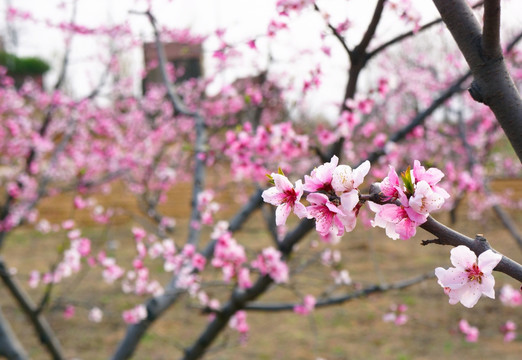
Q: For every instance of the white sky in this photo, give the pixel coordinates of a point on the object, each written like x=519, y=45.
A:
x=243, y=20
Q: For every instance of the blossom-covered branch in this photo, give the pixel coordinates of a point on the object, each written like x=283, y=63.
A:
x=157, y=305
x=201, y=136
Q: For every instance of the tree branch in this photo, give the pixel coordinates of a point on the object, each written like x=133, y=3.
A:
x=492, y=84
x=40, y=324
x=410, y=33
x=358, y=57
x=341, y=299
x=156, y=306
x=372, y=27
x=447, y=236
x=422, y=116
x=491, y=31
x=66, y=56
x=10, y=346
x=508, y=223
x=336, y=34
x=201, y=137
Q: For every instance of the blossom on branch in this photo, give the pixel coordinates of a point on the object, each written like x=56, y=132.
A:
x=307, y=306
x=321, y=177
x=135, y=315
x=327, y=215
x=396, y=315
x=333, y=198
x=346, y=179
x=469, y=279
x=399, y=221
x=410, y=201
x=95, y=315
x=270, y=263
x=286, y=197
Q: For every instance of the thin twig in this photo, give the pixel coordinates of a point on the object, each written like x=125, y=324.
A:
x=340, y=299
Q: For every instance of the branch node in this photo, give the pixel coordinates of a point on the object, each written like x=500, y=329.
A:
x=476, y=93
x=480, y=237
x=432, y=241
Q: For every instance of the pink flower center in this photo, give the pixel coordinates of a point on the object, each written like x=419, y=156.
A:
x=474, y=273
x=290, y=196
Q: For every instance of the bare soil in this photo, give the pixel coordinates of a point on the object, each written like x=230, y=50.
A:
x=353, y=330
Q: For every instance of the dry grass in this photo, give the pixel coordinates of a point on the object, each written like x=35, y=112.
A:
x=354, y=330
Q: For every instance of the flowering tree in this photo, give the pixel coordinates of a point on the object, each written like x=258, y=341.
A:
x=53, y=143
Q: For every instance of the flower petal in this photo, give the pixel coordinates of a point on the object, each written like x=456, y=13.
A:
x=273, y=196
x=317, y=199
x=300, y=210
x=282, y=213
x=349, y=200
x=488, y=286
x=360, y=172
x=281, y=182
x=488, y=260
x=452, y=278
x=462, y=257
x=469, y=294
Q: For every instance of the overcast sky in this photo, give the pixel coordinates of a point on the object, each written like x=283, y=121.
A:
x=243, y=19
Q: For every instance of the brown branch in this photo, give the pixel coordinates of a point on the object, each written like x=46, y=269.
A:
x=410, y=33
x=372, y=27
x=201, y=136
x=419, y=119
x=492, y=84
x=341, y=299
x=10, y=346
x=491, y=30
x=65, y=60
x=156, y=306
x=507, y=222
x=40, y=324
x=338, y=36
x=358, y=57
x=447, y=236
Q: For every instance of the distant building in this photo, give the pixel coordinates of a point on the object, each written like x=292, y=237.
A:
x=187, y=57
x=21, y=69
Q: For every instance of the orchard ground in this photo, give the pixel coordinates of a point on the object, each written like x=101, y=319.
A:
x=353, y=330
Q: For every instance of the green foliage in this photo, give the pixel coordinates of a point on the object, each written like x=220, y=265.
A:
x=23, y=65
x=408, y=180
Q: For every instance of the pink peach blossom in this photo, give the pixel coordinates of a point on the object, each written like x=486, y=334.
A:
x=135, y=314
x=469, y=279
x=286, y=197
x=471, y=332
x=510, y=296
x=345, y=179
x=321, y=177
x=306, y=307
x=425, y=200
x=325, y=214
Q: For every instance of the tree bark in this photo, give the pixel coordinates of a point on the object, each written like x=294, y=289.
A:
x=492, y=84
x=10, y=346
